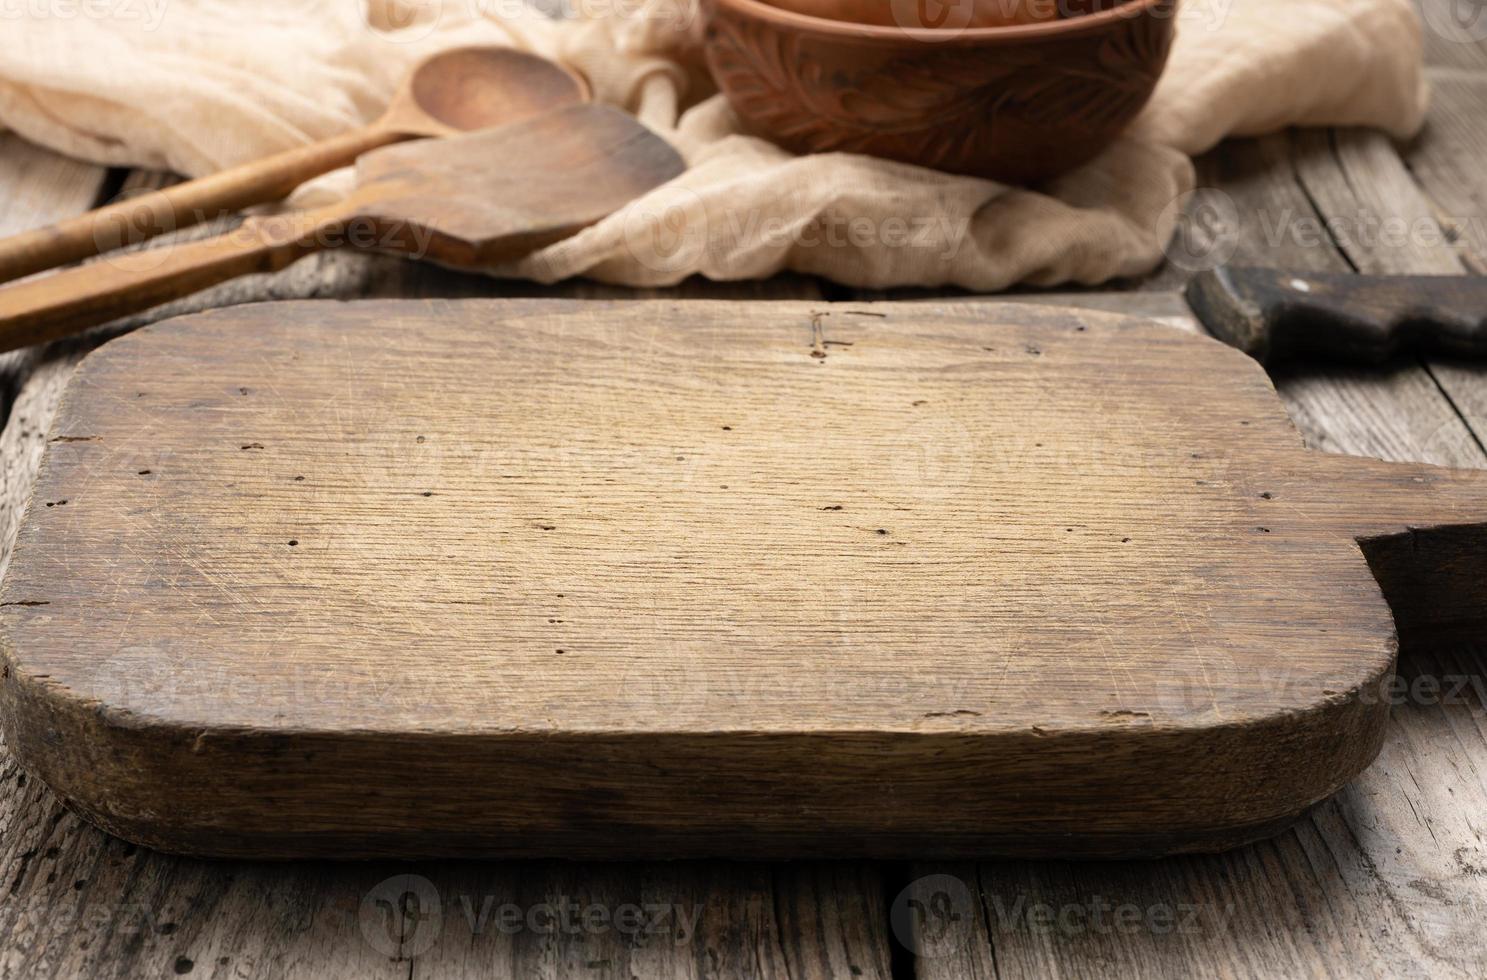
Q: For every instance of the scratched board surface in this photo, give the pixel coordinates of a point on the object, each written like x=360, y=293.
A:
x=507, y=577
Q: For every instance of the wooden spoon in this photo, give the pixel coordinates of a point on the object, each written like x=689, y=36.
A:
x=455, y=91
x=468, y=202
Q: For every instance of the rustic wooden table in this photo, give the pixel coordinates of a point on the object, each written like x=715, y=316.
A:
x=1389, y=878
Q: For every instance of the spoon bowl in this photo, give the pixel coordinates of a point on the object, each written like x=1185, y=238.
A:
x=477, y=88
x=443, y=201
x=448, y=93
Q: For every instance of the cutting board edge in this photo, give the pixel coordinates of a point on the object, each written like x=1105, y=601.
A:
x=724, y=845
x=968, y=309
x=178, y=789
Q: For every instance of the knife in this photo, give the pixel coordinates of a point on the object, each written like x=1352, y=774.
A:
x=1275, y=315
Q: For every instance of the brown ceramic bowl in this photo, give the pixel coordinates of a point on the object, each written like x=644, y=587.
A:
x=1017, y=104
x=929, y=13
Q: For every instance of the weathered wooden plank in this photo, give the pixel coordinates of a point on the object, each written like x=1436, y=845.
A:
x=1455, y=33
x=1376, y=215
x=1336, y=410
x=1446, y=161
x=1435, y=775
x=82, y=903
x=1393, y=227
x=832, y=921
x=1379, y=880
x=1272, y=186
x=1383, y=879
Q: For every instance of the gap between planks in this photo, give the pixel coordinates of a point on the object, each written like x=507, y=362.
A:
x=83, y=903
x=1385, y=878
x=1335, y=411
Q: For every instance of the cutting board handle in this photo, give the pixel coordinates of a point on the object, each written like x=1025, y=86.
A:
x=68, y=302
x=1423, y=530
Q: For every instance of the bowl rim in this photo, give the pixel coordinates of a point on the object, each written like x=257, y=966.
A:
x=1043, y=30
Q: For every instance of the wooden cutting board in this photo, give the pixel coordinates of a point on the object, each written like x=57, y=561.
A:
x=677, y=579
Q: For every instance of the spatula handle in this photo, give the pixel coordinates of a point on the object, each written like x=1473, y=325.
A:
x=182, y=205
x=69, y=302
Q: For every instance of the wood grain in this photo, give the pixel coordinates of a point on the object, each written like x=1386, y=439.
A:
x=1443, y=160
x=633, y=562
x=1378, y=882
x=434, y=200
x=83, y=903
x=450, y=92
x=1455, y=36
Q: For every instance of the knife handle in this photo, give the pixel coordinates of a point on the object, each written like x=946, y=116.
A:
x=1274, y=315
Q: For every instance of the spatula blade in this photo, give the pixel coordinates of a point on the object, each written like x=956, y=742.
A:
x=477, y=200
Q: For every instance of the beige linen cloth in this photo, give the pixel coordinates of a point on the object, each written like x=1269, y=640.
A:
x=197, y=85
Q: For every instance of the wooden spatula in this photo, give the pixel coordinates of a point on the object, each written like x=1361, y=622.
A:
x=467, y=202
x=451, y=92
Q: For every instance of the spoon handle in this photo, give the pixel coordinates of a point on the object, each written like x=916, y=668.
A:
x=70, y=301
x=181, y=205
